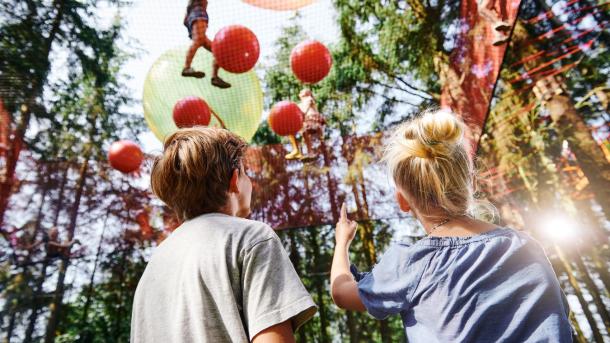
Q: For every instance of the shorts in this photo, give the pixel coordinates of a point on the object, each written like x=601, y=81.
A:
x=313, y=123
x=196, y=13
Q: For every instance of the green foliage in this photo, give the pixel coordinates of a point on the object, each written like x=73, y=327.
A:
x=264, y=135
x=393, y=44
x=279, y=81
x=108, y=303
x=74, y=105
x=89, y=109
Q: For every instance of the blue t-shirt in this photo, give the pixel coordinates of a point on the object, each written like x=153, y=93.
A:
x=495, y=287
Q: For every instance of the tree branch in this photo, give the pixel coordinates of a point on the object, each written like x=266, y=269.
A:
x=370, y=91
x=428, y=97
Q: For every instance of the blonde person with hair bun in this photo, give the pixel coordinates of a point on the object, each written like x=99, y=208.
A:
x=467, y=280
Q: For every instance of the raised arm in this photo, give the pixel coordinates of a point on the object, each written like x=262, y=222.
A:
x=344, y=289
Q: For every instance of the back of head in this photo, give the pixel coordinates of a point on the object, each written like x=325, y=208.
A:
x=192, y=175
x=428, y=161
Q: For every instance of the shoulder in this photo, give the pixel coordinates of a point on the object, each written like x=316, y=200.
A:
x=518, y=240
x=534, y=248
x=412, y=248
x=255, y=232
x=403, y=254
x=236, y=231
x=250, y=233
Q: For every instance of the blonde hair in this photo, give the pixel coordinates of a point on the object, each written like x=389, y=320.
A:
x=428, y=161
x=192, y=175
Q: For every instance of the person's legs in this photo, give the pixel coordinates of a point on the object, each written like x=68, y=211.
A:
x=216, y=80
x=308, y=142
x=199, y=39
x=206, y=43
x=308, y=137
x=487, y=10
x=503, y=10
x=295, y=154
x=500, y=27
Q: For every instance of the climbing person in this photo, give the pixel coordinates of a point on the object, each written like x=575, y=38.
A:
x=313, y=123
x=497, y=19
x=196, y=21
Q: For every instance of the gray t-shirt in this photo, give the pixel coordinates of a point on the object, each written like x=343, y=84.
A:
x=218, y=278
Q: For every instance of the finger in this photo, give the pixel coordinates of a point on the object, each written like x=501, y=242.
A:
x=343, y=213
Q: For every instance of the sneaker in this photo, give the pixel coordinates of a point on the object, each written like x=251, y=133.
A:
x=190, y=72
x=294, y=155
x=308, y=158
x=500, y=38
x=502, y=26
x=220, y=83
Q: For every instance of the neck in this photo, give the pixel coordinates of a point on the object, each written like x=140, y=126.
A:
x=229, y=208
x=430, y=220
x=457, y=226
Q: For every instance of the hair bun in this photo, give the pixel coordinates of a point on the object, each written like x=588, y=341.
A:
x=440, y=132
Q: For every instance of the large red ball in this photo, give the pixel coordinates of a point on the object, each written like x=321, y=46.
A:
x=310, y=61
x=236, y=49
x=125, y=156
x=191, y=111
x=286, y=118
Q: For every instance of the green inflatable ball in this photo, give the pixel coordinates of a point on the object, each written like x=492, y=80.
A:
x=240, y=107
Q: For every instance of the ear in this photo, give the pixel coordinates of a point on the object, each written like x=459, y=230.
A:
x=402, y=202
x=234, y=182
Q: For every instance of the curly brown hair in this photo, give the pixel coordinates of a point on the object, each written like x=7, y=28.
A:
x=192, y=175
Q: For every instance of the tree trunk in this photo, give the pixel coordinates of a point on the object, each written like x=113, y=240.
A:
x=295, y=258
x=12, y=152
x=25, y=274
x=119, y=316
x=332, y=187
x=11, y=326
x=43, y=272
x=592, y=288
x=578, y=292
x=596, y=234
x=578, y=336
x=318, y=280
x=601, y=267
x=591, y=158
x=84, y=318
x=352, y=327
x=55, y=306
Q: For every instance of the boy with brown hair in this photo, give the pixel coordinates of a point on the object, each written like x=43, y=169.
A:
x=218, y=277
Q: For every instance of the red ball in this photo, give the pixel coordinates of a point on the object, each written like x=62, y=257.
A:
x=286, y=118
x=125, y=156
x=310, y=61
x=191, y=111
x=236, y=49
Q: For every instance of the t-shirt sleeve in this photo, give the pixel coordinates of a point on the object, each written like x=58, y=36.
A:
x=388, y=288
x=273, y=292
